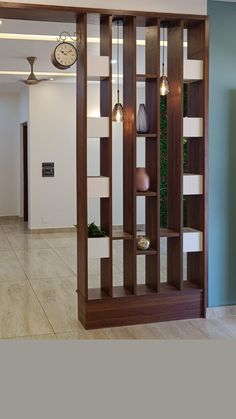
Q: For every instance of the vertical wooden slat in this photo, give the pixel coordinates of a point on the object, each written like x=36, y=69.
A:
x=106, y=150
x=152, y=92
x=129, y=151
x=81, y=154
x=175, y=154
x=197, y=206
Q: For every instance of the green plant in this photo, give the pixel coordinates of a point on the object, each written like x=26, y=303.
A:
x=94, y=231
x=164, y=159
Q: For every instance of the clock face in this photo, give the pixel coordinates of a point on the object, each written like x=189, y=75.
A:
x=65, y=55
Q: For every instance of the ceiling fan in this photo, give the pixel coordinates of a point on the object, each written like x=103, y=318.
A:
x=32, y=79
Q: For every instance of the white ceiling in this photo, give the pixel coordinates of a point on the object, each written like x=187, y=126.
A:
x=13, y=53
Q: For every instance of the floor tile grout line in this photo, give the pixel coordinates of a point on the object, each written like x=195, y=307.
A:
x=29, y=336
x=58, y=254
x=34, y=292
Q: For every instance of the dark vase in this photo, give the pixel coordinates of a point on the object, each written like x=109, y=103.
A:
x=142, y=120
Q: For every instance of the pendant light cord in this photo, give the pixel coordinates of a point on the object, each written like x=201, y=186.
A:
x=118, y=62
x=163, y=51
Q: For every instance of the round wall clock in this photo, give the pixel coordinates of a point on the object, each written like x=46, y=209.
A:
x=64, y=55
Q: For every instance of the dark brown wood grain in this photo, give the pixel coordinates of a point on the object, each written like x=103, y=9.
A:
x=175, y=154
x=129, y=151
x=197, y=206
x=81, y=154
x=149, y=307
x=41, y=12
x=106, y=150
x=152, y=207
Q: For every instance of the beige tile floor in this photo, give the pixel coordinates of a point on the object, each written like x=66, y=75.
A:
x=38, y=292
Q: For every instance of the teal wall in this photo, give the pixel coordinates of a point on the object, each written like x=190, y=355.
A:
x=222, y=154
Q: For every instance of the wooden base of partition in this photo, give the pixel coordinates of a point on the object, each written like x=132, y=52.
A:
x=142, y=309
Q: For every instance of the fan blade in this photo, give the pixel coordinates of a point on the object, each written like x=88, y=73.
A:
x=39, y=80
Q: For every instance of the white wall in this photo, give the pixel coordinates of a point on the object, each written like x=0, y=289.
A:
x=24, y=105
x=52, y=134
x=9, y=156
x=52, y=138
x=168, y=6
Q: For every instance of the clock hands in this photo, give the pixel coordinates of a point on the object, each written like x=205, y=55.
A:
x=66, y=53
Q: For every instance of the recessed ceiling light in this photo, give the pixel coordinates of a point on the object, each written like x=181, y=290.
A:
x=1, y=22
x=51, y=78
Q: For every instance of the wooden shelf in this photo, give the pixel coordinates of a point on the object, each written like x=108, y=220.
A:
x=133, y=303
x=98, y=127
x=144, y=289
x=187, y=286
x=148, y=193
x=121, y=291
x=148, y=252
x=192, y=127
x=97, y=78
x=146, y=135
x=192, y=240
x=121, y=235
x=146, y=77
x=98, y=187
x=167, y=232
x=193, y=71
x=97, y=67
x=97, y=294
x=192, y=184
x=190, y=285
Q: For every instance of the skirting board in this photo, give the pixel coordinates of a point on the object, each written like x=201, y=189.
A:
x=52, y=230
x=221, y=312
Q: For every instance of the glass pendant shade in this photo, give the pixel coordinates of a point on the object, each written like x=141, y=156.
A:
x=164, y=83
x=118, y=113
x=164, y=86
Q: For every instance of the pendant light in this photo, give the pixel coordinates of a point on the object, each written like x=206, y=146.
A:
x=164, y=83
x=118, y=112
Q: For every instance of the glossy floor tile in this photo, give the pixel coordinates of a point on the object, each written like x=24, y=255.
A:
x=82, y=335
x=38, y=299
x=50, y=336
x=10, y=268
x=4, y=242
x=42, y=263
x=20, y=312
x=27, y=242
x=59, y=301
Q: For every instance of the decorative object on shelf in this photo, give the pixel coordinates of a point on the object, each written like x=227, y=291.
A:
x=142, y=120
x=143, y=243
x=164, y=83
x=65, y=53
x=94, y=231
x=118, y=112
x=142, y=179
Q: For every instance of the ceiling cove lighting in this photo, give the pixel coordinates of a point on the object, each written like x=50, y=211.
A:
x=54, y=38
x=118, y=112
x=164, y=83
x=37, y=73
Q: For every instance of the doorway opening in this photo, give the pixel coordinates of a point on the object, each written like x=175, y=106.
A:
x=25, y=171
